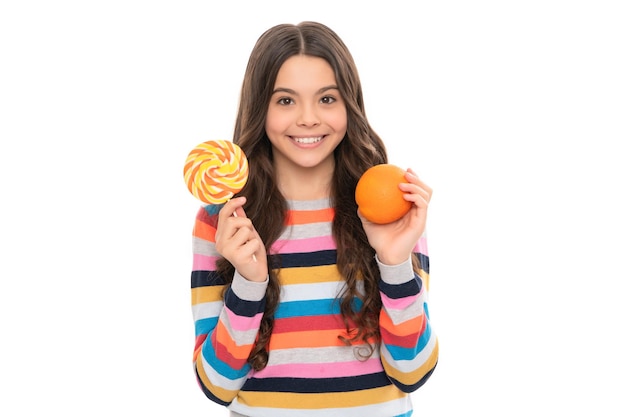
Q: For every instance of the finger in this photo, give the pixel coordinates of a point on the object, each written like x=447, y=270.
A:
x=229, y=223
x=413, y=178
x=413, y=191
x=240, y=212
x=241, y=236
x=250, y=248
x=232, y=206
x=424, y=188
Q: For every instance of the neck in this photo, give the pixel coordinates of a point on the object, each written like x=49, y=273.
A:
x=298, y=183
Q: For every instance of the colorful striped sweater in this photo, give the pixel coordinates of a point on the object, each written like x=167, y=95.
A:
x=310, y=371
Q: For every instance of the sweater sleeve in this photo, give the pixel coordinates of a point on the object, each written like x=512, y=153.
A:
x=409, y=347
x=226, y=323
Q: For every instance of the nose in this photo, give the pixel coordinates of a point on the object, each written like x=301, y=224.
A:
x=308, y=116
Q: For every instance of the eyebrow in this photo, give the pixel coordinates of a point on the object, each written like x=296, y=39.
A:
x=290, y=91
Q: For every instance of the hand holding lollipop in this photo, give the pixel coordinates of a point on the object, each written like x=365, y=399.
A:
x=215, y=171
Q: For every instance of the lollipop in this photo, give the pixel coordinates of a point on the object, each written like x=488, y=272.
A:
x=215, y=171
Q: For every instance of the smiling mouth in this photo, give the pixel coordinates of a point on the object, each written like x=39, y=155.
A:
x=307, y=141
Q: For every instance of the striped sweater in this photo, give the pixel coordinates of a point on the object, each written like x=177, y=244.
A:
x=310, y=371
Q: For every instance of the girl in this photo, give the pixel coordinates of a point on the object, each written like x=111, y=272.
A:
x=301, y=306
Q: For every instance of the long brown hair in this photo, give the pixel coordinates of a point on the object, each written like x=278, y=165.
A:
x=360, y=149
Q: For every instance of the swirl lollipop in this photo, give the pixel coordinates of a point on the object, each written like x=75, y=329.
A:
x=215, y=171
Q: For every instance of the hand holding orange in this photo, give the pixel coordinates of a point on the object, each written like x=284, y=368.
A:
x=378, y=196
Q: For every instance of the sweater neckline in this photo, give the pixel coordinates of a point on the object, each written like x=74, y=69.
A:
x=322, y=203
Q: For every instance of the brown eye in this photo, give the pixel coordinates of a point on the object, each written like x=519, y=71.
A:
x=285, y=101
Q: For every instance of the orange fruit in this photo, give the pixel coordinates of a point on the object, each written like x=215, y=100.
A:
x=378, y=196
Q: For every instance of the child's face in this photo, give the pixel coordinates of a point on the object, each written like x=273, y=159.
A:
x=307, y=117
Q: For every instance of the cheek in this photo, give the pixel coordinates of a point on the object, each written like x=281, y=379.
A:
x=276, y=121
x=338, y=120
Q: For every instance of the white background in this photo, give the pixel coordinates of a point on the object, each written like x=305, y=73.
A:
x=516, y=114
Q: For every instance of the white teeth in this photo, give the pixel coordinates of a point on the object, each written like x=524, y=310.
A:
x=308, y=140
